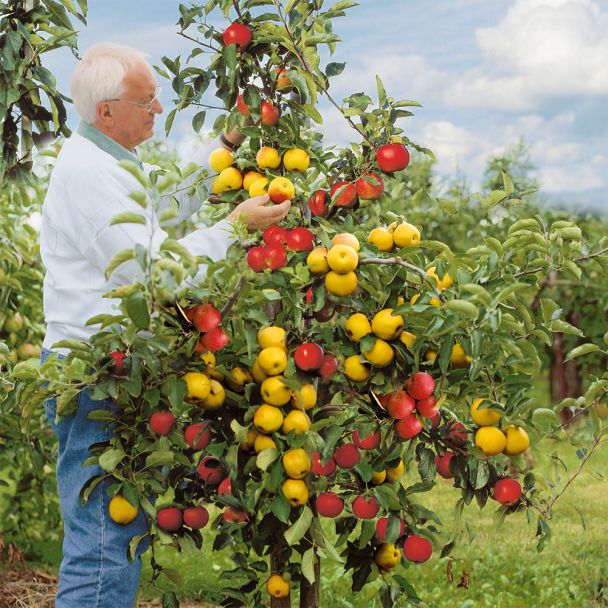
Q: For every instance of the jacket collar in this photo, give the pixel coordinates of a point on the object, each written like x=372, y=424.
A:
x=107, y=144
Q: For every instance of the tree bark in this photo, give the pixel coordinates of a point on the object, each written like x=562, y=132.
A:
x=310, y=592
x=277, y=566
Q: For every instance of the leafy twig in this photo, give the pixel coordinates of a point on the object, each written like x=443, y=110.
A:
x=400, y=262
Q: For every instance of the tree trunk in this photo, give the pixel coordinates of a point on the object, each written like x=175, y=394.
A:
x=559, y=388
x=277, y=566
x=310, y=593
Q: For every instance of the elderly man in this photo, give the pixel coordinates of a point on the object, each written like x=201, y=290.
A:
x=115, y=94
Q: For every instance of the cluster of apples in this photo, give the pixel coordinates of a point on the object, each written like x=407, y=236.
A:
x=368, y=186
x=406, y=406
x=277, y=241
x=338, y=264
x=491, y=440
x=366, y=507
x=402, y=235
x=207, y=320
x=385, y=326
x=267, y=371
x=171, y=519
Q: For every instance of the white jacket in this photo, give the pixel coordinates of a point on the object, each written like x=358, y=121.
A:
x=87, y=189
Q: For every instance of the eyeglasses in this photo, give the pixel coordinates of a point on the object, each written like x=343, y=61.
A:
x=147, y=105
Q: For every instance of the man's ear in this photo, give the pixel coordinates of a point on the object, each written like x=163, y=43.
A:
x=104, y=112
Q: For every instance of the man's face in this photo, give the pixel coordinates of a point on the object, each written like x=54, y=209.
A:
x=132, y=122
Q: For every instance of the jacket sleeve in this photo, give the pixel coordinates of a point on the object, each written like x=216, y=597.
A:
x=105, y=239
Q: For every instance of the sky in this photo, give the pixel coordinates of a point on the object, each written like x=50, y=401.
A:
x=487, y=72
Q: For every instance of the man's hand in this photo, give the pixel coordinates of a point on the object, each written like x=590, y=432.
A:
x=256, y=214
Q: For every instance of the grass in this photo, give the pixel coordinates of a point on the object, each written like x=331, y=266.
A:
x=501, y=563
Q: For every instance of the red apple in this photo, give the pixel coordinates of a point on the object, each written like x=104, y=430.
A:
x=318, y=203
x=162, y=423
x=300, y=239
x=400, y=405
x=408, y=427
x=329, y=366
x=347, y=197
x=242, y=107
x=382, y=524
x=420, y=385
x=200, y=430
x=238, y=34
x=196, y=517
x=426, y=407
x=256, y=258
x=206, y=317
x=370, y=186
x=169, y=519
x=383, y=400
x=119, y=361
x=417, y=549
x=233, y=515
x=507, y=491
x=435, y=419
x=370, y=442
x=347, y=456
x=215, y=339
x=275, y=235
x=323, y=470
x=224, y=487
x=275, y=257
x=189, y=313
x=392, y=157
x=457, y=432
x=329, y=504
x=365, y=507
x=442, y=464
x=270, y=114
x=308, y=357
x=210, y=471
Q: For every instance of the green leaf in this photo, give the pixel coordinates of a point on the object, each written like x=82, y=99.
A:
x=334, y=69
x=266, y=457
x=308, y=565
x=110, y=458
x=160, y=458
x=136, y=172
x=381, y=92
x=296, y=532
x=544, y=418
x=199, y=120
x=178, y=249
x=462, y=307
x=120, y=258
x=584, y=349
x=137, y=308
x=128, y=217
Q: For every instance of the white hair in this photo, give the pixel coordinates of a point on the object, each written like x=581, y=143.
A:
x=100, y=74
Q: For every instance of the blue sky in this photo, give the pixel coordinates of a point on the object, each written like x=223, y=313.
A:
x=488, y=72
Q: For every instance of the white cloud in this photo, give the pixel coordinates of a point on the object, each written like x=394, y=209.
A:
x=556, y=179
x=541, y=49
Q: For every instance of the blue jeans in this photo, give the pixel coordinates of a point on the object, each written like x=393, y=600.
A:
x=95, y=570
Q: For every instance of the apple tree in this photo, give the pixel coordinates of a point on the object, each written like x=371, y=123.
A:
x=307, y=393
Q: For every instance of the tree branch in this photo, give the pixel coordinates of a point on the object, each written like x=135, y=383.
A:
x=399, y=262
x=314, y=77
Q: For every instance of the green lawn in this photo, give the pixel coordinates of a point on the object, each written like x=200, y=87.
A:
x=503, y=565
